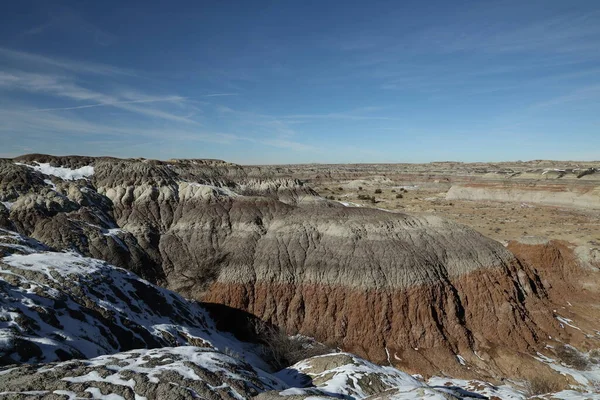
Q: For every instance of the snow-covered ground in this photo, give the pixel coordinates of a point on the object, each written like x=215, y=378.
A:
x=587, y=378
x=144, y=374
x=7, y=204
x=63, y=303
x=137, y=340
x=65, y=173
x=349, y=204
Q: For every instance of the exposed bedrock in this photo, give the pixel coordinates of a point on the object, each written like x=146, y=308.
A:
x=578, y=196
x=570, y=274
x=414, y=291
x=485, y=317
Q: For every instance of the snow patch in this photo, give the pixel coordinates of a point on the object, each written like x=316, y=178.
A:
x=65, y=173
x=62, y=263
x=50, y=183
x=586, y=378
x=349, y=204
x=504, y=392
x=7, y=204
x=98, y=394
x=566, y=321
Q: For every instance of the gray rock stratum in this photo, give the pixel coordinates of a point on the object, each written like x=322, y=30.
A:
x=93, y=317
x=580, y=196
x=411, y=291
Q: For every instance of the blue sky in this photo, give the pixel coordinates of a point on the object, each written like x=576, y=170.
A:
x=304, y=81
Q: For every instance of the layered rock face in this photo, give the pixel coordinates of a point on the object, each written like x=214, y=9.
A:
x=113, y=334
x=544, y=182
x=571, y=275
x=580, y=196
x=413, y=291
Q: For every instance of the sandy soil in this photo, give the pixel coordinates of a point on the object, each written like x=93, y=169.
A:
x=498, y=220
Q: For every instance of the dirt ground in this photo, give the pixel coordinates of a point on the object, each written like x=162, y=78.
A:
x=498, y=220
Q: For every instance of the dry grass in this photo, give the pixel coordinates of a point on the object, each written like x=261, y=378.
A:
x=571, y=356
x=542, y=385
x=281, y=350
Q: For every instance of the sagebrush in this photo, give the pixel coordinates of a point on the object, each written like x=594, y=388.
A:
x=571, y=356
x=281, y=350
x=542, y=385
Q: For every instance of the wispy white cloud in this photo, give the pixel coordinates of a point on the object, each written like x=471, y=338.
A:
x=220, y=94
x=288, y=144
x=40, y=126
x=166, y=99
x=38, y=79
x=60, y=86
x=64, y=64
x=260, y=123
x=353, y=116
x=568, y=33
x=67, y=21
x=586, y=93
x=507, y=40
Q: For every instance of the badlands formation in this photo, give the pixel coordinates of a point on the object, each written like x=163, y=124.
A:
x=482, y=280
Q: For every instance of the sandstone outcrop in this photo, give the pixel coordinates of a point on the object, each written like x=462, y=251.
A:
x=406, y=290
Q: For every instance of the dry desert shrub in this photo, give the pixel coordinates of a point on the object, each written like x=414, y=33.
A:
x=542, y=385
x=366, y=197
x=281, y=350
x=571, y=356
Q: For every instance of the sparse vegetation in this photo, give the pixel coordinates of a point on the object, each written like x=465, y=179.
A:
x=281, y=350
x=359, y=188
x=367, y=198
x=595, y=356
x=340, y=188
x=399, y=195
x=571, y=356
x=233, y=354
x=542, y=385
x=586, y=172
x=377, y=191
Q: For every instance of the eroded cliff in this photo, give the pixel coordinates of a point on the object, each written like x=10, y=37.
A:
x=414, y=291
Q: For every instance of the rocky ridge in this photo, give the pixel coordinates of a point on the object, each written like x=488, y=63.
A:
x=412, y=291
x=62, y=306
